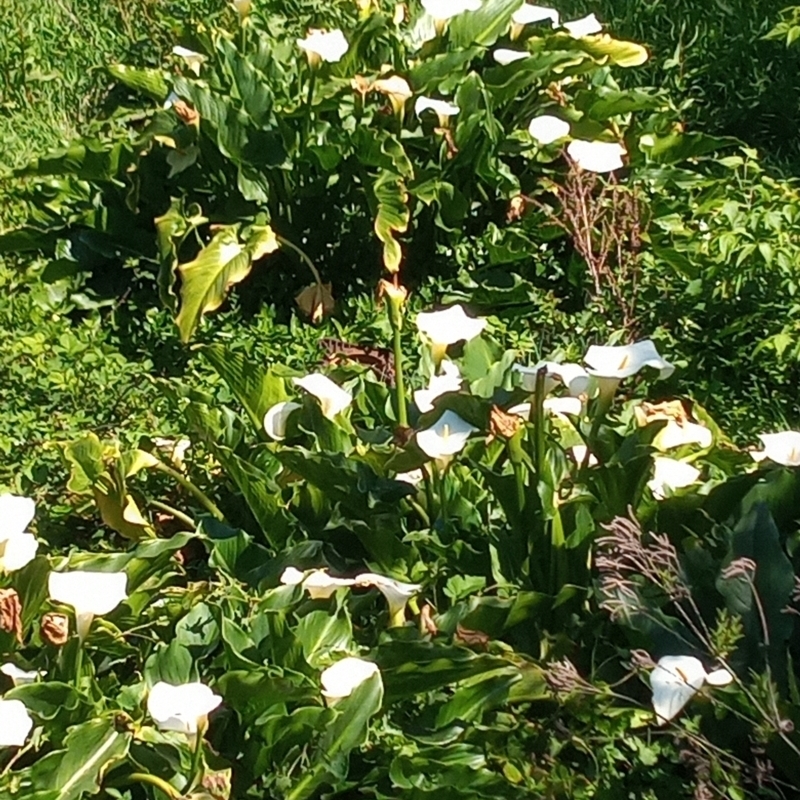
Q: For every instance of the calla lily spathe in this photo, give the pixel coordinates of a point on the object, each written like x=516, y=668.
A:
x=342, y=678
x=596, y=156
x=318, y=584
x=20, y=677
x=448, y=381
x=443, y=328
x=441, y=108
x=586, y=26
x=446, y=437
x=414, y=477
x=397, y=593
x=578, y=453
x=560, y=406
x=547, y=129
x=276, y=418
x=324, y=45
x=503, y=56
x=447, y=9
x=622, y=361
x=184, y=708
x=677, y=434
x=782, y=448
x=332, y=398
x=89, y=593
x=669, y=474
x=17, y=547
x=193, y=60
x=397, y=90
x=528, y=14
x=676, y=679
x=573, y=376
x=15, y=723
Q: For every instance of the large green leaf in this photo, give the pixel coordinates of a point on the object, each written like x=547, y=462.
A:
x=621, y=53
x=391, y=216
x=148, y=81
x=483, y=26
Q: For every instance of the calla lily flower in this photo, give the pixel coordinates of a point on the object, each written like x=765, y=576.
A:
x=17, y=547
x=447, y=9
x=676, y=679
x=396, y=89
x=320, y=585
x=443, y=328
x=446, y=437
x=578, y=453
x=448, y=381
x=397, y=593
x=332, y=398
x=323, y=46
x=292, y=576
x=596, y=156
x=193, y=60
x=15, y=723
x=670, y=475
x=585, y=26
x=610, y=364
x=20, y=677
x=183, y=708
x=441, y=108
x=677, y=434
x=560, y=406
x=414, y=477
x=345, y=676
x=276, y=418
x=504, y=56
x=528, y=14
x=573, y=376
x=782, y=448
x=547, y=129
x=89, y=593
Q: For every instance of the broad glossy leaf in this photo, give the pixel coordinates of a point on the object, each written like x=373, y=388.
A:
x=483, y=26
x=148, y=81
x=391, y=216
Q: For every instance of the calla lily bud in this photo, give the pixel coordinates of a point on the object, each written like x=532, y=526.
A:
x=396, y=295
x=243, y=8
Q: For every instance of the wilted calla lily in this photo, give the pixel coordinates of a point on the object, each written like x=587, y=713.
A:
x=276, y=418
x=332, y=398
x=585, y=26
x=447, y=9
x=677, y=434
x=443, y=328
x=504, y=56
x=547, y=129
x=89, y=593
x=396, y=89
x=782, y=448
x=193, y=60
x=596, y=156
x=573, y=376
x=17, y=547
x=441, y=108
x=15, y=723
x=446, y=437
x=320, y=585
x=669, y=475
x=20, y=677
x=397, y=593
x=676, y=679
x=448, y=381
x=345, y=676
x=323, y=46
x=183, y=708
x=610, y=364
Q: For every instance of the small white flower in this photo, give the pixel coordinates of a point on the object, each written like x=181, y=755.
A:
x=504, y=56
x=193, y=60
x=623, y=361
x=448, y=381
x=441, y=108
x=447, y=9
x=345, y=676
x=183, y=708
x=292, y=576
x=397, y=593
x=449, y=326
x=573, y=376
x=15, y=723
x=677, y=434
x=276, y=418
x=19, y=676
x=414, y=477
x=782, y=448
x=670, y=475
x=332, y=398
x=446, y=437
x=547, y=129
x=529, y=14
x=585, y=26
x=326, y=45
x=89, y=593
x=676, y=679
x=17, y=547
x=320, y=585
x=578, y=453
x=596, y=156
x=396, y=89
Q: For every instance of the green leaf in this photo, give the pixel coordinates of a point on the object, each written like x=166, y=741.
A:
x=322, y=633
x=148, y=81
x=391, y=216
x=170, y=663
x=483, y=26
x=602, y=47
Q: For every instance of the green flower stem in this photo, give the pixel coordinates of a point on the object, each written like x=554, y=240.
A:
x=198, y=762
x=303, y=257
x=537, y=410
x=400, y=381
x=305, y=786
x=423, y=515
x=514, y=447
x=307, y=116
x=444, y=509
x=142, y=777
x=179, y=515
x=428, y=479
x=195, y=491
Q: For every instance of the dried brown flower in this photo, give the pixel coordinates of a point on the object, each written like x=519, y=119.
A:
x=427, y=621
x=471, y=638
x=55, y=629
x=186, y=113
x=503, y=424
x=10, y=613
x=562, y=677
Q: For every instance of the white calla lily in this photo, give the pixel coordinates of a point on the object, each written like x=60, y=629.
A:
x=396, y=89
x=504, y=56
x=783, y=448
x=669, y=475
x=448, y=381
x=446, y=437
x=528, y=14
x=320, y=585
x=414, y=477
x=342, y=678
x=443, y=328
x=676, y=434
x=193, y=60
x=90, y=594
x=560, y=406
x=397, y=593
x=332, y=398
x=578, y=453
x=676, y=679
x=547, y=129
x=611, y=363
x=585, y=26
x=597, y=156
x=441, y=108
x=447, y=9
x=292, y=576
x=15, y=723
x=324, y=46
x=276, y=418
x=573, y=376
x=184, y=708
x=17, y=547
x=20, y=677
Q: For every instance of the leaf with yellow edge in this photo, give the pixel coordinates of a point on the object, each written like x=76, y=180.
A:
x=391, y=216
x=617, y=51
